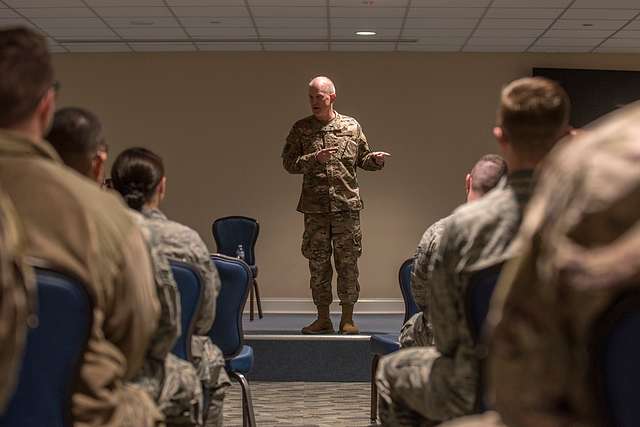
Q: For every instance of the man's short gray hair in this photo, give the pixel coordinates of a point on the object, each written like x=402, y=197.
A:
x=324, y=84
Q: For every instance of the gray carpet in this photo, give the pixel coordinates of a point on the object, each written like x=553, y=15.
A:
x=299, y=404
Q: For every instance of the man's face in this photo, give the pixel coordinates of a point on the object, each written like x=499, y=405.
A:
x=320, y=102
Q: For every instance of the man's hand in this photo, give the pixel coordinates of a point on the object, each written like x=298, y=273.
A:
x=378, y=157
x=324, y=155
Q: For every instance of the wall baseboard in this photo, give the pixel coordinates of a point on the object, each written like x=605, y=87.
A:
x=306, y=306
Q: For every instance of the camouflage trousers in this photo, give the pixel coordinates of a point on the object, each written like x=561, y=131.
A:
x=137, y=409
x=209, y=363
x=416, y=332
x=403, y=380
x=176, y=388
x=342, y=231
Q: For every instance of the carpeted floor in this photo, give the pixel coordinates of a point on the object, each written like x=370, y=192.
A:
x=299, y=404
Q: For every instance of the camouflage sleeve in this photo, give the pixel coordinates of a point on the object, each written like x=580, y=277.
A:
x=292, y=158
x=422, y=264
x=365, y=159
x=211, y=280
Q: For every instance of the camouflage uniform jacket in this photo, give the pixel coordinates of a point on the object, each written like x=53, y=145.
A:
x=581, y=241
x=181, y=243
x=17, y=298
x=478, y=235
x=330, y=187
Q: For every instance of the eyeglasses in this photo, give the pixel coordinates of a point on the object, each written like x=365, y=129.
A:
x=56, y=86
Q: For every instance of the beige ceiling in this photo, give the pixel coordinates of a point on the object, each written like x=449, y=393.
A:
x=321, y=25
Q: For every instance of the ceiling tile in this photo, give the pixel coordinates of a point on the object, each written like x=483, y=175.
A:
x=366, y=22
x=600, y=13
x=82, y=33
x=265, y=22
x=579, y=33
x=142, y=22
x=15, y=22
x=289, y=12
x=628, y=34
x=411, y=47
x=436, y=23
x=236, y=46
x=439, y=33
x=293, y=33
x=530, y=24
x=503, y=32
x=43, y=3
x=532, y=3
x=163, y=47
x=500, y=41
x=222, y=33
x=554, y=41
x=288, y=3
x=497, y=48
x=523, y=13
x=445, y=12
x=381, y=33
x=57, y=49
x=8, y=13
x=588, y=24
x=369, y=3
x=622, y=43
x=2, y=5
x=127, y=3
x=450, y=3
x=152, y=33
x=363, y=47
x=441, y=41
x=615, y=49
x=296, y=47
x=48, y=23
x=236, y=3
x=634, y=25
x=57, y=12
x=217, y=12
x=218, y=22
x=133, y=12
x=609, y=4
x=370, y=12
x=558, y=49
x=96, y=47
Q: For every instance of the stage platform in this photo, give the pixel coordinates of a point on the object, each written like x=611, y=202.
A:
x=282, y=353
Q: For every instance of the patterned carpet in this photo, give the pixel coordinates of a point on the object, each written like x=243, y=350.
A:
x=310, y=404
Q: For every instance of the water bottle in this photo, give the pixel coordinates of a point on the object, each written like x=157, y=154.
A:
x=240, y=252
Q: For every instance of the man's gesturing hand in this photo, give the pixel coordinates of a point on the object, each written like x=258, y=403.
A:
x=378, y=156
x=324, y=155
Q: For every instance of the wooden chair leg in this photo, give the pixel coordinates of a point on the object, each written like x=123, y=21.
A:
x=258, y=303
x=251, y=315
x=374, y=389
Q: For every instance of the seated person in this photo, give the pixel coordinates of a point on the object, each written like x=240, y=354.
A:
x=138, y=174
x=73, y=225
x=77, y=136
x=424, y=385
x=484, y=176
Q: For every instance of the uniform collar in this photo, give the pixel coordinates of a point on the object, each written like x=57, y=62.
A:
x=153, y=213
x=332, y=125
x=522, y=182
x=14, y=144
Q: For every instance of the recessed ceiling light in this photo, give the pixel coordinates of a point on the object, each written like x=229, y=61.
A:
x=365, y=33
x=215, y=22
x=141, y=22
x=587, y=25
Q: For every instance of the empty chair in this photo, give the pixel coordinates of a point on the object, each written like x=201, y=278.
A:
x=227, y=333
x=617, y=353
x=380, y=345
x=191, y=290
x=52, y=355
x=230, y=232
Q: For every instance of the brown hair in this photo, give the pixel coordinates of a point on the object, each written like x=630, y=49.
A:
x=26, y=74
x=533, y=112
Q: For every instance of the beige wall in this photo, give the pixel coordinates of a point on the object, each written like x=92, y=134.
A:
x=219, y=121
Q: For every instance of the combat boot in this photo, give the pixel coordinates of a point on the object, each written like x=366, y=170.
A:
x=347, y=325
x=322, y=325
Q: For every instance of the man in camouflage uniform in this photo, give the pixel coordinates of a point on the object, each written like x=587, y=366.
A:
x=77, y=136
x=17, y=299
x=426, y=386
x=484, y=176
x=326, y=148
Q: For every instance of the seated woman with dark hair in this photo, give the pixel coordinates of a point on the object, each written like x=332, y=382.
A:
x=138, y=174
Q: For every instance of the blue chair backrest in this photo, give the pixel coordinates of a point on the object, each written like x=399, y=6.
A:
x=618, y=370
x=231, y=231
x=191, y=288
x=235, y=277
x=53, y=354
x=404, y=278
x=479, y=291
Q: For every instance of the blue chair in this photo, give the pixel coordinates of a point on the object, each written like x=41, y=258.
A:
x=231, y=231
x=478, y=299
x=191, y=289
x=380, y=345
x=617, y=351
x=227, y=333
x=53, y=354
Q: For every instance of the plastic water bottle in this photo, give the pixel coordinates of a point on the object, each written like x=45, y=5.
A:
x=240, y=252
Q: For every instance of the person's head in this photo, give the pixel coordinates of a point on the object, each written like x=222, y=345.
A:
x=322, y=95
x=27, y=94
x=532, y=116
x=77, y=136
x=138, y=175
x=484, y=176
